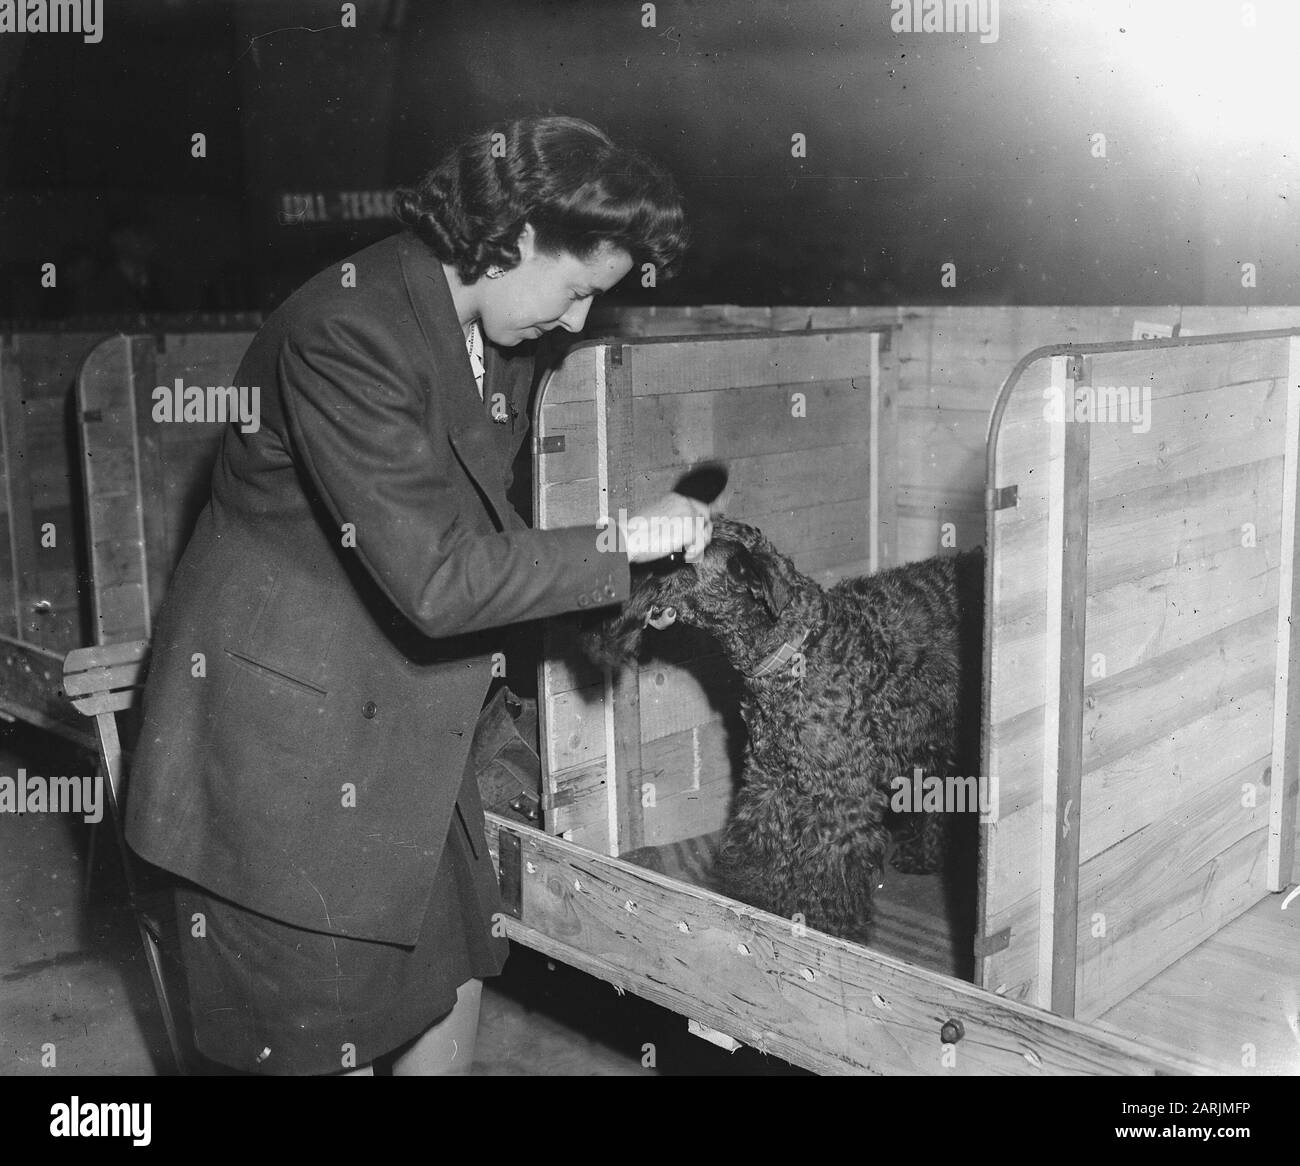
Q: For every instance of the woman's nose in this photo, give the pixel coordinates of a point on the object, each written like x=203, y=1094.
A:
x=574, y=319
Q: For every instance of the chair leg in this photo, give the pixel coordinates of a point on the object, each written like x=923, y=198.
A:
x=153, y=956
x=110, y=751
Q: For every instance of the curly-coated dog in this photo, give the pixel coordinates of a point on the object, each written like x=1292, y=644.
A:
x=845, y=689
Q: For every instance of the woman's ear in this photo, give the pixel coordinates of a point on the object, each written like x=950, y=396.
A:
x=526, y=242
x=764, y=584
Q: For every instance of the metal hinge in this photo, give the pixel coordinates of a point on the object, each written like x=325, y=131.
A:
x=511, y=876
x=552, y=444
x=1001, y=498
x=987, y=945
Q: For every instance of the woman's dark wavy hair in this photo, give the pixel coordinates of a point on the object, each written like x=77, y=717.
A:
x=560, y=174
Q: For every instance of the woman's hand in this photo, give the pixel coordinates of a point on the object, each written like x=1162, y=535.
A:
x=674, y=523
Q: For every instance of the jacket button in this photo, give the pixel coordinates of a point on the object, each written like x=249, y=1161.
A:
x=582, y=600
x=369, y=709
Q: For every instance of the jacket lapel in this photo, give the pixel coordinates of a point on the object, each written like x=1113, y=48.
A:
x=512, y=379
x=468, y=424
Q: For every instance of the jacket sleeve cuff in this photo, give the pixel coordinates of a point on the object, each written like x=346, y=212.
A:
x=608, y=578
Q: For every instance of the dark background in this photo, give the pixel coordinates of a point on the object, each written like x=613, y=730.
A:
x=923, y=148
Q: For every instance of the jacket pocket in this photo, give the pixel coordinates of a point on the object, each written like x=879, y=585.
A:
x=271, y=673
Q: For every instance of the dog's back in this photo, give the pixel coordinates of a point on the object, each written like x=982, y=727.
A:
x=922, y=625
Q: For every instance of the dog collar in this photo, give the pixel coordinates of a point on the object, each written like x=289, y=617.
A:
x=780, y=658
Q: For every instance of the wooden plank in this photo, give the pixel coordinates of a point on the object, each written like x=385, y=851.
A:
x=758, y=487
x=115, y=521
x=884, y=460
x=1152, y=897
x=155, y=501
x=1207, y=433
x=23, y=541
x=1192, y=702
x=686, y=813
x=1285, y=766
x=1209, y=320
x=1135, y=621
x=622, y=722
x=692, y=761
x=1143, y=704
x=680, y=429
x=566, y=444
x=1230, y=1001
x=571, y=383
x=703, y=319
x=577, y=808
x=949, y=442
x=573, y=379
x=1193, y=434
x=10, y=385
x=102, y=678
x=1063, y=734
x=1136, y=728
x=817, y=1001
x=37, y=371
x=1132, y=793
x=874, y=533
x=30, y=691
x=923, y=532
x=789, y=359
x=780, y=481
x=1189, y=371
x=1019, y=454
x=1151, y=532
x=108, y=656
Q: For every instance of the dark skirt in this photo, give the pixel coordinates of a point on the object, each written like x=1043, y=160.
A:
x=267, y=997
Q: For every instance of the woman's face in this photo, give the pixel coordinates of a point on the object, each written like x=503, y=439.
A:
x=546, y=291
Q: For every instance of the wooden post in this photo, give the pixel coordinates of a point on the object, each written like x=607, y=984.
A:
x=873, y=460
x=1067, y=593
x=18, y=503
x=1286, y=695
x=115, y=520
x=622, y=689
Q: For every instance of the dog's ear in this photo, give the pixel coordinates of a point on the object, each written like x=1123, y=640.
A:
x=612, y=643
x=764, y=584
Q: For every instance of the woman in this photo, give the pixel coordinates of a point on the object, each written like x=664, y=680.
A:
x=314, y=680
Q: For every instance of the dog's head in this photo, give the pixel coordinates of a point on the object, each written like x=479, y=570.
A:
x=740, y=587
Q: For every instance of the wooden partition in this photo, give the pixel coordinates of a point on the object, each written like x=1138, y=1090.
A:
x=804, y=421
x=40, y=539
x=951, y=364
x=1141, y=712
x=146, y=478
